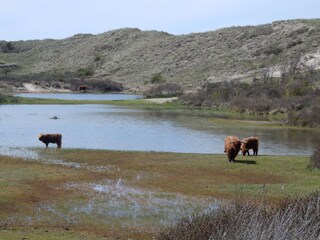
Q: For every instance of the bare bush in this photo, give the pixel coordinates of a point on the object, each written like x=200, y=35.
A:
x=195, y=99
x=258, y=105
x=157, y=79
x=291, y=218
x=164, y=90
x=315, y=158
x=305, y=112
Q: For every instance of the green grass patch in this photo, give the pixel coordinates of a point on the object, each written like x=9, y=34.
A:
x=52, y=201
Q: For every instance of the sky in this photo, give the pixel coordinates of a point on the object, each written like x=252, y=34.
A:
x=57, y=19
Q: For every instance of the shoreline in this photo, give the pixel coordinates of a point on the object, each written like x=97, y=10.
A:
x=168, y=104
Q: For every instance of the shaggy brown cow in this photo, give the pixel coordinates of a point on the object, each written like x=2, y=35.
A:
x=232, y=147
x=250, y=143
x=51, y=138
x=82, y=88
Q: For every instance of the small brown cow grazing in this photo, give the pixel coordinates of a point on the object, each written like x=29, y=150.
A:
x=250, y=143
x=232, y=147
x=82, y=88
x=50, y=138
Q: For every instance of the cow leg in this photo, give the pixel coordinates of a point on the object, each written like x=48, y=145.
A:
x=47, y=145
x=248, y=152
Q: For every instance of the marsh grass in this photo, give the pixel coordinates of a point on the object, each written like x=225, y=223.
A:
x=315, y=158
x=100, y=193
x=290, y=218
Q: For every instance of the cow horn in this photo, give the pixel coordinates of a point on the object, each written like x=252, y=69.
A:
x=243, y=141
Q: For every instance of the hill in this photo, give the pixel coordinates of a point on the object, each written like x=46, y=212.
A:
x=132, y=56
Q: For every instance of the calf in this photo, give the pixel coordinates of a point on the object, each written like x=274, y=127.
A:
x=82, y=88
x=50, y=138
x=250, y=143
x=232, y=147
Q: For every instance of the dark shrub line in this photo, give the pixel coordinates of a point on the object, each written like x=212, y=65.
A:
x=315, y=158
x=297, y=96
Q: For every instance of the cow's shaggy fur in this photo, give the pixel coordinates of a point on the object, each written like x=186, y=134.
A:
x=232, y=147
x=250, y=143
x=51, y=138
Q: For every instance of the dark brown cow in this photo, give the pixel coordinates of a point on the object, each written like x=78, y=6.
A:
x=232, y=147
x=250, y=143
x=82, y=88
x=51, y=138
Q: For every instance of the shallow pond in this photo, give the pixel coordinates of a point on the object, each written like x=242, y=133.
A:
x=117, y=128
x=86, y=96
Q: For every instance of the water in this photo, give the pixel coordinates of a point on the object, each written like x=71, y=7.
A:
x=87, y=96
x=114, y=128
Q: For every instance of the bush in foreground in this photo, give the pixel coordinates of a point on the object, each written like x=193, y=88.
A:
x=315, y=158
x=291, y=218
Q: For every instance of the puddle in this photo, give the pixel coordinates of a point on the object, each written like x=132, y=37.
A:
x=61, y=162
x=117, y=204
x=17, y=152
x=117, y=201
x=28, y=154
x=111, y=202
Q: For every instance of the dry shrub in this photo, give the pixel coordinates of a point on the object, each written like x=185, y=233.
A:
x=315, y=158
x=259, y=105
x=305, y=112
x=164, y=90
x=292, y=218
x=195, y=99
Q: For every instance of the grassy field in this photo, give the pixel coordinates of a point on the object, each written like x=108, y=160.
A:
x=95, y=194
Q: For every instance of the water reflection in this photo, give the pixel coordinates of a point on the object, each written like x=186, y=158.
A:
x=109, y=127
x=86, y=96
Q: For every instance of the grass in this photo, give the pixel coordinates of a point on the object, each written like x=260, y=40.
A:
x=96, y=193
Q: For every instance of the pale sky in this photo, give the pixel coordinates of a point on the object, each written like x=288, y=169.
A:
x=40, y=19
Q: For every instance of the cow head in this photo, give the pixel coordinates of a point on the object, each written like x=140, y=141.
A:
x=40, y=136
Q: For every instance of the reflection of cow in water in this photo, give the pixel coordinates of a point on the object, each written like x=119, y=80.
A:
x=51, y=138
x=232, y=147
x=250, y=143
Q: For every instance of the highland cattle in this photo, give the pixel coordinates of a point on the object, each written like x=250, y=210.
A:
x=51, y=138
x=249, y=143
x=232, y=146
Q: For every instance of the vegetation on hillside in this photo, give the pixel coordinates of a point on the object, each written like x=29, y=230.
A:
x=132, y=57
x=295, y=94
x=58, y=81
